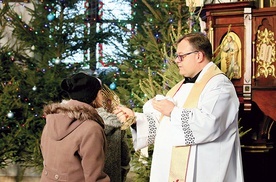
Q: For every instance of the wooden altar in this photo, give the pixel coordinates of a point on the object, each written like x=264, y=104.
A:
x=252, y=32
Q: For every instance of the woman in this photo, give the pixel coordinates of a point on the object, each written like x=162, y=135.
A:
x=117, y=156
x=73, y=141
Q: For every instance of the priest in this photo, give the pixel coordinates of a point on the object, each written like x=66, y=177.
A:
x=194, y=128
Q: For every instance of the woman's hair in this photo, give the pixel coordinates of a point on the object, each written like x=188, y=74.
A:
x=96, y=103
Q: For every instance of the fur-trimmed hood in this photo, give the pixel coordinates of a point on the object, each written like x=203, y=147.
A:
x=63, y=118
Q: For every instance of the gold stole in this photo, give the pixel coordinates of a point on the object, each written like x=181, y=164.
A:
x=180, y=154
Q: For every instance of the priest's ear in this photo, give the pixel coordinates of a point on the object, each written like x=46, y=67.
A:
x=200, y=56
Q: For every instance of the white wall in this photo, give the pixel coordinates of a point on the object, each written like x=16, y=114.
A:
x=199, y=3
x=19, y=8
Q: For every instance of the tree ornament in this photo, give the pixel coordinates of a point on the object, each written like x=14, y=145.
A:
x=136, y=52
x=34, y=88
x=51, y=17
x=57, y=60
x=10, y=114
x=112, y=86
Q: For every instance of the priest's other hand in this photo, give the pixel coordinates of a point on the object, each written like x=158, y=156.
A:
x=164, y=106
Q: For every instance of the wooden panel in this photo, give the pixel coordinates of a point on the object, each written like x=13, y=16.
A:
x=219, y=17
x=227, y=20
x=266, y=100
x=264, y=21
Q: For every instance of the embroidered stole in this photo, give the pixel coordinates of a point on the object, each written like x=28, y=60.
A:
x=180, y=154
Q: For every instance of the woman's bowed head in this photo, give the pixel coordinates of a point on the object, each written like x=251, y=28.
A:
x=82, y=87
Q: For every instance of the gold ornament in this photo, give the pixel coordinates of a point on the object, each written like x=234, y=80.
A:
x=111, y=101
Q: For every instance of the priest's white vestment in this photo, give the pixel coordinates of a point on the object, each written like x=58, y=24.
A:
x=211, y=129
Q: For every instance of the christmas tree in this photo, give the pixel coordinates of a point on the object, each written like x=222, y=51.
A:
x=39, y=41
x=151, y=47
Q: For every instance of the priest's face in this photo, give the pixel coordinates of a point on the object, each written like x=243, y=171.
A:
x=187, y=59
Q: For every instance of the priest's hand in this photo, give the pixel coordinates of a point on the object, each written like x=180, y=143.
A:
x=164, y=106
x=123, y=113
